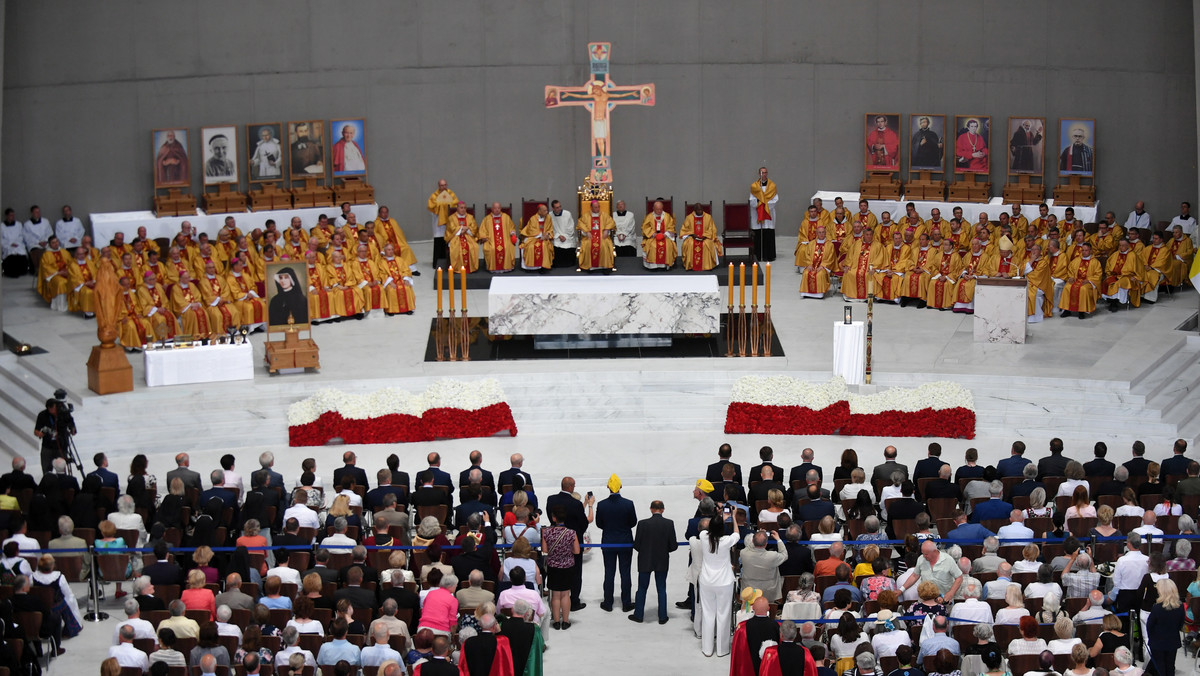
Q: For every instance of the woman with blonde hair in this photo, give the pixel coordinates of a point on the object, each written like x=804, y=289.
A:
x=1029, y=560
x=1104, y=519
x=776, y=505
x=202, y=557
x=341, y=507
x=1079, y=659
x=927, y=604
x=1064, y=630
x=825, y=533
x=520, y=556
x=397, y=563
x=1162, y=627
x=312, y=588
x=1015, y=610
x=197, y=596
x=866, y=564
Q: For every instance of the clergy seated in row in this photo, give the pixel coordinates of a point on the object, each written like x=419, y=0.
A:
x=814, y=261
x=81, y=276
x=841, y=248
x=188, y=306
x=54, y=274
x=1084, y=275
x=462, y=240
x=537, y=249
x=596, y=230
x=922, y=259
x=658, y=239
x=698, y=241
x=1159, y=262
x=142, y=316
x=342, y=284
x=499, y=237
x=154, y=304
x=1123, y=273
x=217, y=294
x=1039, y=293
x=857, y=270
x=940, y=292
x=891, y=266
x=628, y=236
x=1182, y=253
x=972, y=264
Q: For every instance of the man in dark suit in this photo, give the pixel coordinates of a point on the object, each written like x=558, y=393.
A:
x=405, y=598
x=766, y=454
x=506, y=477
x=654, y=542
x=24, y=602
x=1139, y=465
x=616, y=519
x=713, y=474
x=274, y=482
x=349, y=468
x=1026, y=487
x=928, y=467
x=290, y=535
x=1114, y=486
x=471, y=504
x=575, y=519
x=17, y=479
x=218, y=490
x=800, y=558
x=321, y=568
x=374, y=498
x=359, y=596
x=162, y=571
x=470, y=558
x=943, y=487
x=464, y=477
x=55, y=484
x=906, y=506
x=1177, y=464
x=439, y=664
x=797, y=474
x=146, y=600
x=1100, y=466
x=106, y=476
x=189, y=478
x=359, y=562
x=816, y=508
x=1054, y=464
x=883, y=472
x=994, y=507
x=398, y=478
x=1015, y=462
x=429, y=495
x=440, y=478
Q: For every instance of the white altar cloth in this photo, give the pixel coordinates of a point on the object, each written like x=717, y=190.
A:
x=200, y=364
x=850, y=351
x=594, y=305
x=971, y=210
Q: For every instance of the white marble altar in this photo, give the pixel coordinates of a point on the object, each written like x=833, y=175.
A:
x=593, y=305
x=105, y=225
x=1000, y=311
x=971, y=210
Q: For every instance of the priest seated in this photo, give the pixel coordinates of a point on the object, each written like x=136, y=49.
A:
x=398, y=296
x=658, y=239
x=944, y=268
x=814, y=260
x=537, y=250
x=596, y=230
x=499, y=237
x=698, y=240
x=921, y=260
x=1084, y=275
x=462, y=240
x=890, y=270
x=972, y=264
x=1182, y=253
x=1123, y=278
x=1039, y=294
x=859, y=266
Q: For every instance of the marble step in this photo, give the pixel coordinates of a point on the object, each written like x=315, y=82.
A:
x=1156, y=379
x=17, y=427
x=1181, y=387
x=1000, y=421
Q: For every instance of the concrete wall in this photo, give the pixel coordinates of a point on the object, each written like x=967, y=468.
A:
x=453, y=88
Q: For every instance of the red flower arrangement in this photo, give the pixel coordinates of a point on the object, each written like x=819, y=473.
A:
x=951, y=423
x=397, y=428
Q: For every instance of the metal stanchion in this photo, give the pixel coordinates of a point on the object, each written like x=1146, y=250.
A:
x=95, y=615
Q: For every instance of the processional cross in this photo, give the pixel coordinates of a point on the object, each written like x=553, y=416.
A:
x=600, y=95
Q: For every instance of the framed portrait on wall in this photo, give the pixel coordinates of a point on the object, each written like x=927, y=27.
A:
x=882, y=134
x=287, y=295
x=171, y=160
x=306, y=149
x=1077, y=147
x=349, y=152
x=927, y=143
x=1026, y=145
x=972, y=140
x=219, y=150
x=264, y=151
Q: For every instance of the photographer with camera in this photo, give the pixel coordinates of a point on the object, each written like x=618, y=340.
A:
x=54, y=429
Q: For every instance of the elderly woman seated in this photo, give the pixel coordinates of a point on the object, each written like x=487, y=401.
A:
x=1044, y=585
x=826, y=533
x=806, y=591
x=1015, y=610
x=1029, y=643
x=1064, y=630
x=1029, y=560
x=125, y=518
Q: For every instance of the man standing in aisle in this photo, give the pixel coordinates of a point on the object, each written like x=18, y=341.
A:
x=565, y=237
x=763, y=198
x=616, y=518
x=654, y=543
x=441, y=203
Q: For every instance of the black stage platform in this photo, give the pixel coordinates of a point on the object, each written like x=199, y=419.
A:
x=482, y=279
x=484, y=347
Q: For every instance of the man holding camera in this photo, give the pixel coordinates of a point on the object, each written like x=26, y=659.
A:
x=53, y=428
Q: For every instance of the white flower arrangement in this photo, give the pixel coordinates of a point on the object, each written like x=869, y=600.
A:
x=468, y=396
x=787, y=391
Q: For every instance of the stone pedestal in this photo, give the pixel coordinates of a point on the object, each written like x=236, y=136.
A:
x=108, y=371
x=1000, y=310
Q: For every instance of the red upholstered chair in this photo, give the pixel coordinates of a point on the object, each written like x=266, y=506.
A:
x=737, y=227
x=529, y=208
x=688, y=206
x=668, y=205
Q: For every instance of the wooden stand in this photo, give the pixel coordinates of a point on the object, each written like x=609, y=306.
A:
x=292, y=352
x=311, y=195
x=108, y=370
x=880, y=185
x=355, y=191
x=1074, y=194
x=225, y=200
x=1024, y=191
x=174, y=203
x=270, y=198
x=925, y=188
x=967, y=190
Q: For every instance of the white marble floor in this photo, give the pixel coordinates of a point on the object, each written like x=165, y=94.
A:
x=656, y=423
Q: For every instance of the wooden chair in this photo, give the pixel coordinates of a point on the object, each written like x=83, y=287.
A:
x=168, y=592
x=1127, y=523
x=156, y=616
x=437, y=511
x=241, y=616
x=311, y=643
x=31, y=624
x=736, y=231
x=668, y=206
x=299, y=559
x=147, y=645
x=71, y=566
x=201, y=617
x=129, y=535
x=306, y=534
x=339, y=560
x=113, y=567
x=230, y=642
x=1106, y=661
x=280, y=616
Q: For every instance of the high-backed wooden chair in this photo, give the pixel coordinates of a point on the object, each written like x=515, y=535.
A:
x=735, y=224
x=668, y=205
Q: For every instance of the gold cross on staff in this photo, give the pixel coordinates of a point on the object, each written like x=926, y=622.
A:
x=600, y=96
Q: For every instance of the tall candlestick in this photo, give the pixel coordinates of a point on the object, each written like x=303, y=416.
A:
x=731, y=285
x=754, y=285
x=464, y=288
x=767, y=301
x=451, y=277
x=742, y=284
x=439, y=289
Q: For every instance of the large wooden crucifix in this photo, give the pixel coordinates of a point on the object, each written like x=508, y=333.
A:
x=600, y=96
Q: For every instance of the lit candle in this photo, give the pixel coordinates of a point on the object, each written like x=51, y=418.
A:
x=451, y=276
x=464, y=289
x=742, y=284
x=767, y=301
x=439, y=289
x=731, y=285
x=754, y=285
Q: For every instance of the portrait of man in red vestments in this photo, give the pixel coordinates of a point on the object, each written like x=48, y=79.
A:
x=882, y=142
x=971, y=142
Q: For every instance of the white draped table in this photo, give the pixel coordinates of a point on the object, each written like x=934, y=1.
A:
x=608, y=305
x=105, y=225
x=850, y=352
x=971, y=210
x=200, y=364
